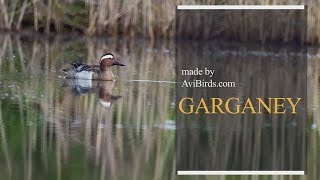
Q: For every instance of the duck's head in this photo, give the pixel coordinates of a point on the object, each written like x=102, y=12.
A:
x=109, y=60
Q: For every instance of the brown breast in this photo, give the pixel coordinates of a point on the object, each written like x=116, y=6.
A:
x=103, y=75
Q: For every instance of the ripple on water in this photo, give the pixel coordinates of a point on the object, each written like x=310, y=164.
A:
x=167, y=125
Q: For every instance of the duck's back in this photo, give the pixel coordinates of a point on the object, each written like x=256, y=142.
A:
x=81, y=71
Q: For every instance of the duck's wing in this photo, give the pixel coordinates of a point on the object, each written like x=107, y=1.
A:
x=75, y=65
x=78, y=67
x=94, y=68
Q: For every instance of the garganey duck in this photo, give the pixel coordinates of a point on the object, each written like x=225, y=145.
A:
x=98, y=72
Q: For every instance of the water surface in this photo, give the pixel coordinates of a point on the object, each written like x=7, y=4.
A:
x=53, y=128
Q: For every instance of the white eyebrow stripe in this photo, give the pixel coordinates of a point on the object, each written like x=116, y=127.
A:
x=108, y=56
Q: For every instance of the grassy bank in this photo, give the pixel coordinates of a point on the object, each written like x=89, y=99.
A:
x=131, y=18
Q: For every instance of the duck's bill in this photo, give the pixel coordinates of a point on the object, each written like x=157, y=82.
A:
x=118, y=63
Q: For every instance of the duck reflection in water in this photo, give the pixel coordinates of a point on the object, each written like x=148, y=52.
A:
x=102, y=88
x=88, y=119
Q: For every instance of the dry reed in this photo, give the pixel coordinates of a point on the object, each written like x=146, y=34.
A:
x=134, y=18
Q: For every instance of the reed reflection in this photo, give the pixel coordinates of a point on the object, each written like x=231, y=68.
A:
x=53, y=128
x=226, y=141
x=49, y=132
